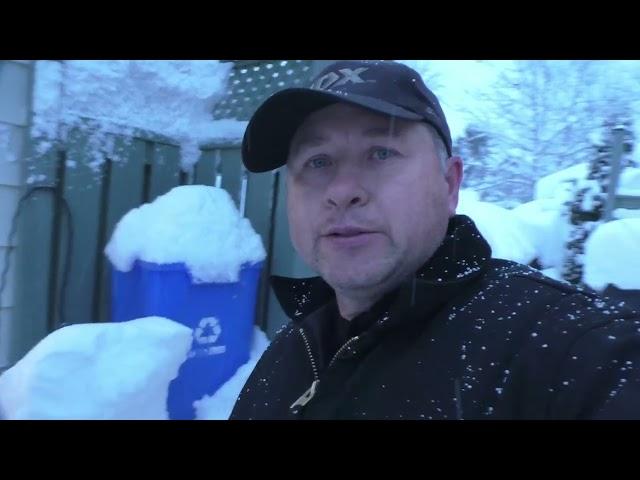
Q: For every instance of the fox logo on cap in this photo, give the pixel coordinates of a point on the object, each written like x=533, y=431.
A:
x=339, y=78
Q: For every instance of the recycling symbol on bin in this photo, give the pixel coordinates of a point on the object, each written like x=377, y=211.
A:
x=208, y=331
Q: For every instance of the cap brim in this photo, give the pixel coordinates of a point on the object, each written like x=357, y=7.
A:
x=265, y=145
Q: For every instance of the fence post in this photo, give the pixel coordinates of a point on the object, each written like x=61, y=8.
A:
x=616, y=167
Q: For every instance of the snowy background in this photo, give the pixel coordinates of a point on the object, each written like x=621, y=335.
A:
x=525, y=130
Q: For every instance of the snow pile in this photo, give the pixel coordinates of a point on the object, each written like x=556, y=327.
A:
x=547, y=229
x=629, y=183
x=197, y=225
x=560, y=186
x=546, y=217
x=172, y=98
x=97, y=371
x=219, y=405
x=500, y=227
x=612, y=255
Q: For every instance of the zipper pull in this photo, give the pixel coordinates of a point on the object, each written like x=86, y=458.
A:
x=306, y=396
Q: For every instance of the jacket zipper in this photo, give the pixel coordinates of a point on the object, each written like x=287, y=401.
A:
x=349, y=342
x=311, y=391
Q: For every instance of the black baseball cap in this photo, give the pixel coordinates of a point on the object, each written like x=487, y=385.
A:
x=386, y=87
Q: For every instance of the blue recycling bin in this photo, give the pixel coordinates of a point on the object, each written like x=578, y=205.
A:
x=221, y=316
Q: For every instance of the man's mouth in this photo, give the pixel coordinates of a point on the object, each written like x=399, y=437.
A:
x=349, y=236
x=347, y=231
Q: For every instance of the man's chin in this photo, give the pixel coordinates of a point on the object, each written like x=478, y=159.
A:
x=363, y=279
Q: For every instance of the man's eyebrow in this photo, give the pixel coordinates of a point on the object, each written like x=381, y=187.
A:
x=389, y=131
x=309, y=140
x=313, y=139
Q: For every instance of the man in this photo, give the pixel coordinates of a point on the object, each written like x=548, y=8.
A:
x=410, y=317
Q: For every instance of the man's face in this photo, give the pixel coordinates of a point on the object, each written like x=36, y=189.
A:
x=368, y=202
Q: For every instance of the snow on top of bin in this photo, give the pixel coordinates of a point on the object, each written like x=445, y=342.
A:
x=197, y=225
x=94, y=371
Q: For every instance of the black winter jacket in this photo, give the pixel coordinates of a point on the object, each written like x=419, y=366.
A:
x=469, y=337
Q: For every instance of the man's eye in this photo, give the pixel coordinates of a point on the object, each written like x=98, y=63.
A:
x=382, y=153
x=319, y=162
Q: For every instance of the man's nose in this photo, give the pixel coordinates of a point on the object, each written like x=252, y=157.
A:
x=346, y=189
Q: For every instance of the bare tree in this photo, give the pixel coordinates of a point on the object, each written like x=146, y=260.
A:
x=540, y=115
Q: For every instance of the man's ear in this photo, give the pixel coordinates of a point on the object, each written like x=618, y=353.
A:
x=453, y=176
